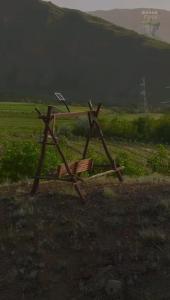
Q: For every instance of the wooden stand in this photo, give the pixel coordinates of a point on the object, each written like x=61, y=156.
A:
x=71, y=171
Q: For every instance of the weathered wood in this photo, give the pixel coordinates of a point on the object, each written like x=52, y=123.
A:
x=73, y=178
x=42, y=156
x=88, y=137
x=112, y=161
x=91, y=115
x=105, y=173
x=71, y=171
x=75, y=167
x=57, y=115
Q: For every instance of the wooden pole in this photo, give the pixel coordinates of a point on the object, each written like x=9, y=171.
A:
x=91, y=125
x=94, y=123
x=74, y=180
x=88, y=137
x=43, y=150
x=112, y=161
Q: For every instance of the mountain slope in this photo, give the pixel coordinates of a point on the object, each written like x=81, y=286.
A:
x=45, y=48
x=132, y=19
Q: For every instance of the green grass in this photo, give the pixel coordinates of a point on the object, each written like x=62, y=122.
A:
x=20, y=124
x=19, y=120
x=131, y=116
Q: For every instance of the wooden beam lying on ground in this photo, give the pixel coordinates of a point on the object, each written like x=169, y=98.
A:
x=105, y=173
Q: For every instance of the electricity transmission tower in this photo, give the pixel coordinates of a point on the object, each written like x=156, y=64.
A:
x=151, y=22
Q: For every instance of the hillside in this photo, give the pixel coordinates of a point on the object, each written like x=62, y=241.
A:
x=45, y=48
x=132, y=18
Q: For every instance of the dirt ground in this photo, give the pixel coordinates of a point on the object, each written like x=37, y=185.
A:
x=115, y=246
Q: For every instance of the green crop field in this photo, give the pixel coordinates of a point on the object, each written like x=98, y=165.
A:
x=21, y=131
x=20, y=121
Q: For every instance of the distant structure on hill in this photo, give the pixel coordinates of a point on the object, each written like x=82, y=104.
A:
x=154, y=23
x=151, y=22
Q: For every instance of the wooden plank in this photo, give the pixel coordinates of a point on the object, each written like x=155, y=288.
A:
x=71, y=114
x=112, y=161
x=106, y=173
x=75, y=167
x=66, y=115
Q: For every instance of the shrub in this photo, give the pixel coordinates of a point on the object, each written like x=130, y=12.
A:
x=52, y=160
x=144, y=128
x=108, y=193
x=98, y=157
x=119, y=128
x=141, y=129
x=65, y=130
x=18, y=161
x=162, y=130
x=81, y=128
x=160, y=161
x=152, y=236
x=132, y=167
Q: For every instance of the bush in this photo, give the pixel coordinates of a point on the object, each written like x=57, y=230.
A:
x=65, y=130
x=99, y=157
x=18, y=161
x=144, y=128
x=119, y=128
x=162, y=130
x=160, y=161
x=132, y=168
x=81, y=128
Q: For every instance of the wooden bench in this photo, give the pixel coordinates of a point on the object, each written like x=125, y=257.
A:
x=76, y=167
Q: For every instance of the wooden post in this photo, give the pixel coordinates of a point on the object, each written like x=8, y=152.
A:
x=112, y=161
x=94, y=123
x=88, y=137
x=91, y=125
x=53, y=127
x=43, y=150
x=74, y=180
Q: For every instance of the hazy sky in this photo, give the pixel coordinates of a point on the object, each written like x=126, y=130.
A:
x=109, y=4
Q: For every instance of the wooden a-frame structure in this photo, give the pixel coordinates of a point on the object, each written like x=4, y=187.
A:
x=71, y=171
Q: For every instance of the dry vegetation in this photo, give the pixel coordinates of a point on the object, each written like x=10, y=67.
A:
x=116, y=246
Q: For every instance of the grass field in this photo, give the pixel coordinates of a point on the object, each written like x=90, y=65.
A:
x=19, y=120
x=19, y=123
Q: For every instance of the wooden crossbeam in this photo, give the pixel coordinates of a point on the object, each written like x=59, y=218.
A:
x=67, y=114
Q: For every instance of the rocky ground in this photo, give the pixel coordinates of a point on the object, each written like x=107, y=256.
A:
x=116, y=246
